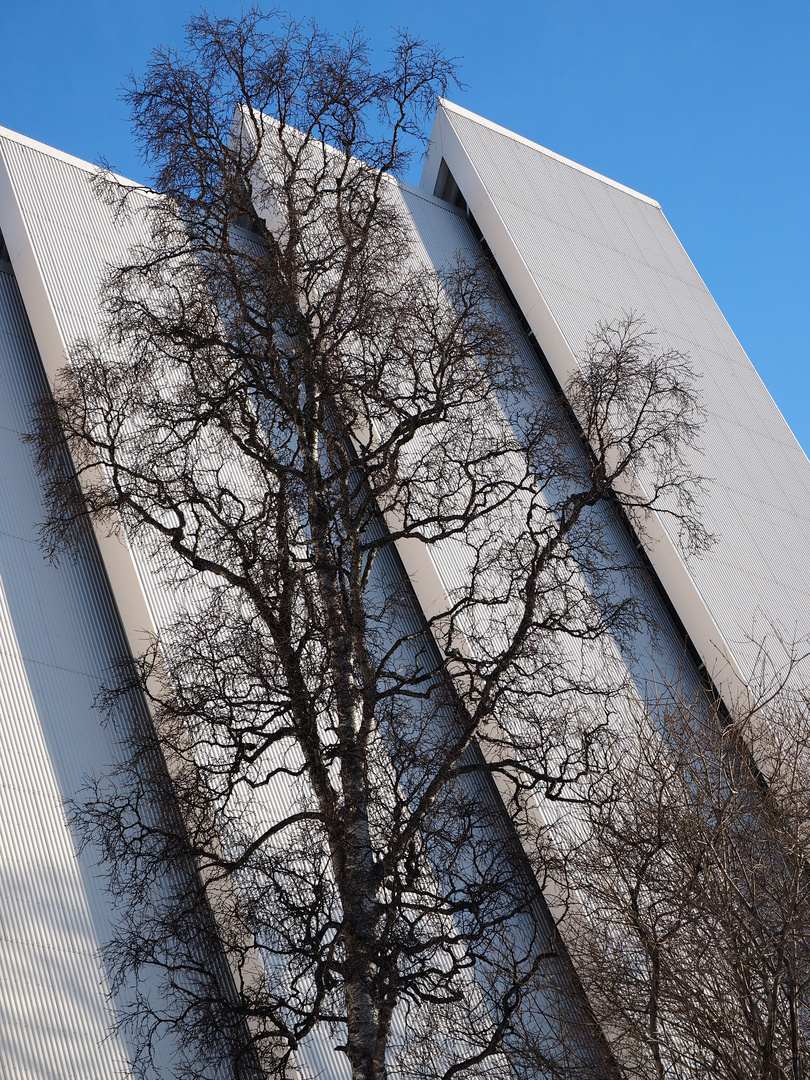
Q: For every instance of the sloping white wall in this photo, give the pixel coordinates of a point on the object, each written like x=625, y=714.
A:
x=577, y=248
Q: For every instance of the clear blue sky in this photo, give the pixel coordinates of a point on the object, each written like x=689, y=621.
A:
x=703, y=104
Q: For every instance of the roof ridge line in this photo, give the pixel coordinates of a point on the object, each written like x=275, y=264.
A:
x=450, y=106
x=61, y=155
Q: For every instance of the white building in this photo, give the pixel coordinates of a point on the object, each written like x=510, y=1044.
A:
x=573, y=248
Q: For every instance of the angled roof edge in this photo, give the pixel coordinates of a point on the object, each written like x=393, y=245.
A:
x=451, y=107
x=60, y=155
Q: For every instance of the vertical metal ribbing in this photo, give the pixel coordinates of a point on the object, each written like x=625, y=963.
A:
x=58, y=635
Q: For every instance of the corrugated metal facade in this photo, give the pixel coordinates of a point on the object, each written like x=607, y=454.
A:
x=59, y=634
x=594, y=250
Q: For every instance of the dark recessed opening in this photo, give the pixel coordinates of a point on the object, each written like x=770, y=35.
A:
x=447, y=189
x=5, y=261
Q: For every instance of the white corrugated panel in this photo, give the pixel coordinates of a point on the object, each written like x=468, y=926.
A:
x=58, y=637
x=443, y=231
x=63, y=637
x=594, y=250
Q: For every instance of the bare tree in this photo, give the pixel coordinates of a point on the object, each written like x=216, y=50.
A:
x=694, y=874
x=328, y=837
